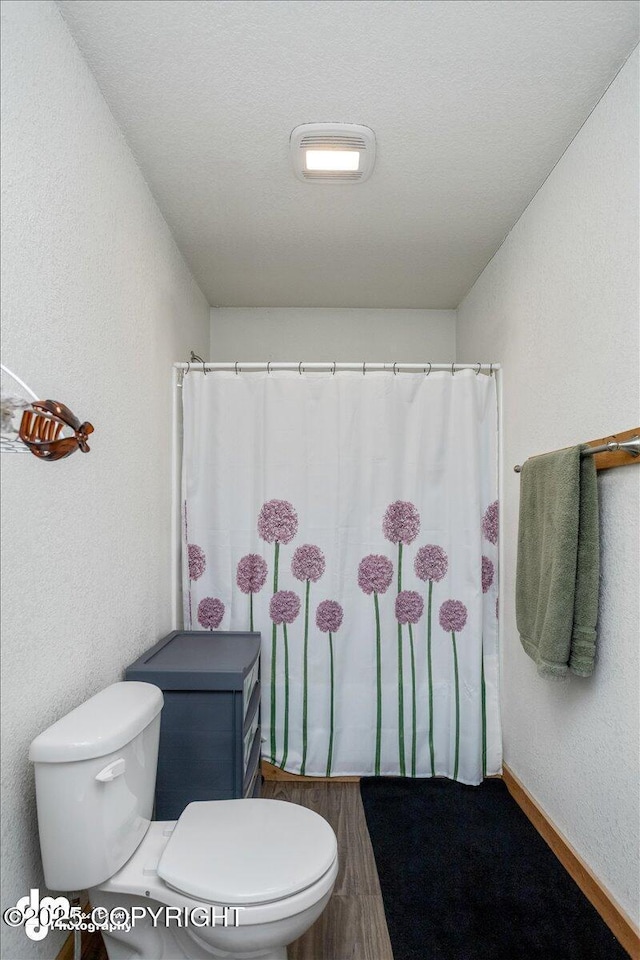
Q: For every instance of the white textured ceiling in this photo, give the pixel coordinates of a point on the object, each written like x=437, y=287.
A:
x=472, y=104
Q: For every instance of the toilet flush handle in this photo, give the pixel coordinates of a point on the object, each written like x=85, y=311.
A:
x=112, y=770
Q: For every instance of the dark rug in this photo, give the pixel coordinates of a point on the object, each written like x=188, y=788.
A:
x=466, y=876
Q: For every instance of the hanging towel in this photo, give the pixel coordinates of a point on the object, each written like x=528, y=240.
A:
x=558, y=562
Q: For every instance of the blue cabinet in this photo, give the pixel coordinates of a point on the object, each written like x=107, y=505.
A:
x=210, y=724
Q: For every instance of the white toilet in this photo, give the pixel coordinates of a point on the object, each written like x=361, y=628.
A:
x=274, y=862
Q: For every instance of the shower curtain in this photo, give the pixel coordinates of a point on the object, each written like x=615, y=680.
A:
x=353, y=520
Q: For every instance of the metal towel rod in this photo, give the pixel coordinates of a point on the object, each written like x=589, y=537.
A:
x=632, y=447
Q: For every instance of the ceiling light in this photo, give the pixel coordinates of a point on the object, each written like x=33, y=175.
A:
x=332, y=152
x=332, y=159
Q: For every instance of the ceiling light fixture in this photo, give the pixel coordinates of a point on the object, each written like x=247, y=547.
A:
x=332, y=152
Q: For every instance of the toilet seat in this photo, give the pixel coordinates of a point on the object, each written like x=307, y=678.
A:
x=246, y=852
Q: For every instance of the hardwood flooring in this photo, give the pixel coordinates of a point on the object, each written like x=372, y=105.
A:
x=353, y=925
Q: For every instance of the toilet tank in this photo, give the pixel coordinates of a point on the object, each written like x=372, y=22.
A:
x=95, y=775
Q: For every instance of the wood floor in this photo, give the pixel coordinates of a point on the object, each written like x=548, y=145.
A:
x=353, y=926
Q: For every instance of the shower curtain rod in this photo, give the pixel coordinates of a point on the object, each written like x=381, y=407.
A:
x=330, y=366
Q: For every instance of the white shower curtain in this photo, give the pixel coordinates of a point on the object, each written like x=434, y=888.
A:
x=352, y=519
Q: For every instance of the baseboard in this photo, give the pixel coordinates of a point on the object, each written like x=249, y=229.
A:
x=620, y=924
x=271, y=772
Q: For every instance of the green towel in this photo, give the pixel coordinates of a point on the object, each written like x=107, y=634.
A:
x=558, y=562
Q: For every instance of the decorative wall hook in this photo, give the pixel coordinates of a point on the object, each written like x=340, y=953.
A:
x=44, y=427
x=41, y=428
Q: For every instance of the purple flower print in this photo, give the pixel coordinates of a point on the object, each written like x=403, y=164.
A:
x=307, y=565
x=329, y=616
x=329, y=619
x=284, y=606
x=375, y=573
x=490, y=522
x=252, y=573
x=197, y=561
x=409, y=606
x=453, y=616
x=487, y=574
x=277, y=521
x=401, y=523
x=251, y=577
x=210, y=613
x=308, y=562
x=431, y=563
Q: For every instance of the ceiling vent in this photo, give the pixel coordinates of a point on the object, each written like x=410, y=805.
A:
x=332, y=152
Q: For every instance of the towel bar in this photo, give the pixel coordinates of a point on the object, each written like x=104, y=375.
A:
x=630, y=446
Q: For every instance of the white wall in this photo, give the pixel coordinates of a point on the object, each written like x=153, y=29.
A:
x=316, y=333
x=97, y=303
x=558, y=305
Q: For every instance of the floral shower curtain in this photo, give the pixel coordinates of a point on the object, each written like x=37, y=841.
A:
x=352, y=519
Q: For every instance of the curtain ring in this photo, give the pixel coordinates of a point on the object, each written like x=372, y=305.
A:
x=395, y=372
x=236, y=365
x=269, y=367
x=300, y=368
x=490, y=369
x=364, y=366
x=427, y=372
x=453, y=369
x=333, y=372
x=478, y=369
x=188, y=367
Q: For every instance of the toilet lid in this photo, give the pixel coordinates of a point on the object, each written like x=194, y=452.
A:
x=247, y=851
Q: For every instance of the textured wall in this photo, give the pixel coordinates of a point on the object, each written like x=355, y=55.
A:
x=316, y=333
x=97, y=303
x=558, y=305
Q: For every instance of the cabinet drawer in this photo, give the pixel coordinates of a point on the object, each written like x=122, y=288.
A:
x=249, y=683
x=253, y=789
x=249, y=738
x=254, y=763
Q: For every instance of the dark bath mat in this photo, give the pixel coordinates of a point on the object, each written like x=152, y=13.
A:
x=466, y=876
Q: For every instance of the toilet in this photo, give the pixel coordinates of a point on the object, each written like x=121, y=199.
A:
x=230, y=878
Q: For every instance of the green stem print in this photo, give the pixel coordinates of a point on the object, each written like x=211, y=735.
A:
x=274, y=642
x=278, y=523
x=378, y=685
x=413, y=705
x=330, y=753
x=401, y=750
x=285, y=748
x=483, y=693
x=251, y=612
x=375, y=574
x=305, y=681
x=453, y=616
x=307, y=565
x=409, y=609
x=284, y=608
x=328, y=620
x=401, y=525
x=432, y=757
x=431, y=564
x=457, y=690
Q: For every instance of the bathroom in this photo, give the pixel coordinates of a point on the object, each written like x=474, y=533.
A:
x=151, y=210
